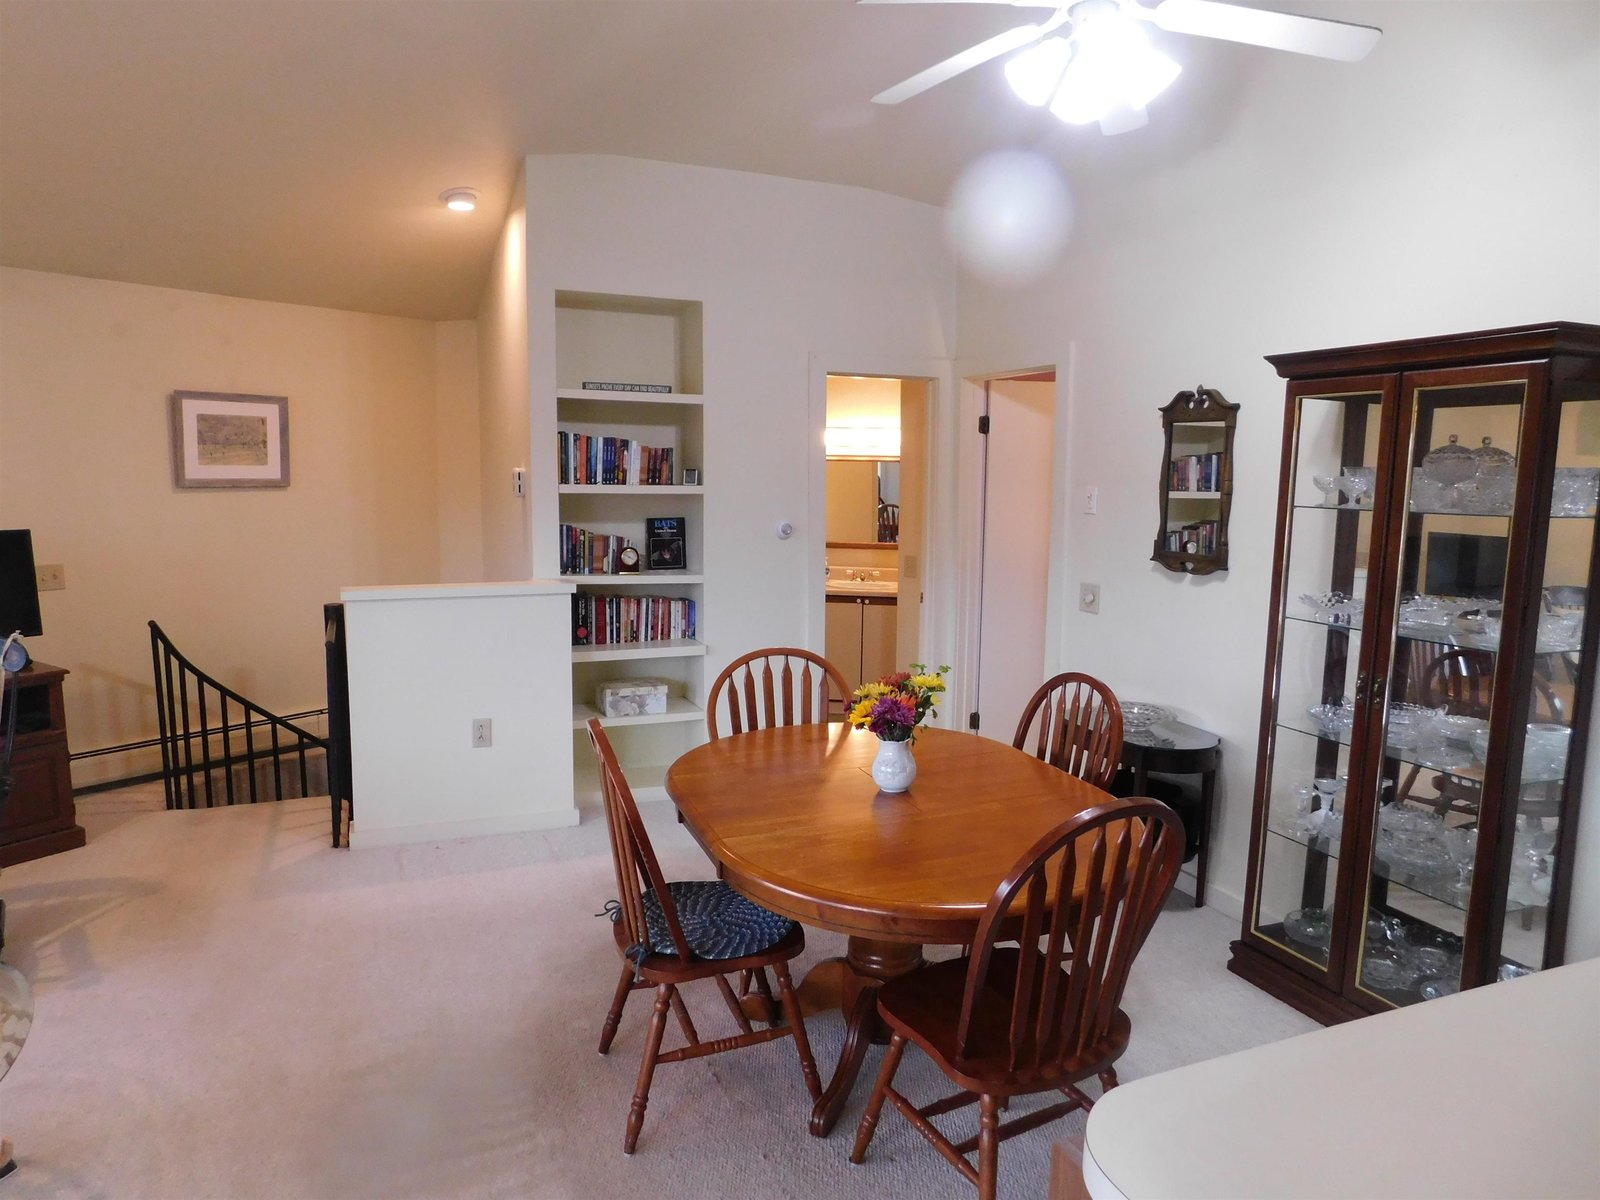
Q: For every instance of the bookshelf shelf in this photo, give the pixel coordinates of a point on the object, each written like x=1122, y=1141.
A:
x=641, y=579
x=1176, y=495
x=665, y=648
x=678, y=711
x=629, y=489
x=610, y=397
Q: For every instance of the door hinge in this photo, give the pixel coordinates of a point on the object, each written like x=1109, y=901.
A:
x=972, y=720
x=983, y=428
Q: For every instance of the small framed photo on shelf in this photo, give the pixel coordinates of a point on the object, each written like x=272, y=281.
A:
x=691, y=477
x=664, y=543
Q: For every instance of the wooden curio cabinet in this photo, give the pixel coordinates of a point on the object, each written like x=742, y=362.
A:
x=1430, y=668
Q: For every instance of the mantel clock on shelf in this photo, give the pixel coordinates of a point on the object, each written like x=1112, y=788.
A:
x=1196, y=482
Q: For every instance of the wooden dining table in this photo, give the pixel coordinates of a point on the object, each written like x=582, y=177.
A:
x=793, y=820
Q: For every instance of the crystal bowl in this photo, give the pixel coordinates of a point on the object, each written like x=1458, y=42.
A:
x=1139, y=715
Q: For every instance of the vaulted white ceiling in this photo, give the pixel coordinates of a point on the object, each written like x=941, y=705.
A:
x=295, y=150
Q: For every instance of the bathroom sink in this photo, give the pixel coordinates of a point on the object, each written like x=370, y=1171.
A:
x=862, y=587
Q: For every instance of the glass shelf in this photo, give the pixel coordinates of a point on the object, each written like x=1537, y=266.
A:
x=1422, y=633
x=1439, y=887
x=1409, y=757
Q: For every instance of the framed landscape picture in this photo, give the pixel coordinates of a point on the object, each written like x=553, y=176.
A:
x=225, y=440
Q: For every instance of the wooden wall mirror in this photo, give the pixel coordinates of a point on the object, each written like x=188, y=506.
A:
x=1196, y=482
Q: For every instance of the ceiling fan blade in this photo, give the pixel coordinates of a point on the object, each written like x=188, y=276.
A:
x=972, y=56
x=1275, y=30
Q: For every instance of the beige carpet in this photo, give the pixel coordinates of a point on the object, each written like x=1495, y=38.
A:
x=229, y=1008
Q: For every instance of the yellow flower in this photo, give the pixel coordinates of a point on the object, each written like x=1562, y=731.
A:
x=928, y=683
x=872, y=691
x=861, y=714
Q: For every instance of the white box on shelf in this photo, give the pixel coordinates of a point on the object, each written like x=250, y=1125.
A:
x=631, y=697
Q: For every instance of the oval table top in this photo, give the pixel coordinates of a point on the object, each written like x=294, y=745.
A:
x=793, y=820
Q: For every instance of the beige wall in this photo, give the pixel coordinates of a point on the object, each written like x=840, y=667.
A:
x=237, y=578
x=505, y=421
x=458, y=442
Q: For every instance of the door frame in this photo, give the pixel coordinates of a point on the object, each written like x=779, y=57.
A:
x=939, y=561
x=969, y=483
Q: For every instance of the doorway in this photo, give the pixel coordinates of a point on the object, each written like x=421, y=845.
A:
x=876, y=442
x=1017, y=430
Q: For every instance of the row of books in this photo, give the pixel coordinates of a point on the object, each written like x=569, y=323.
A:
x=584, y=458
x=586, y=553
x=1198, y=537
x=617, y=620
x=1196, y=473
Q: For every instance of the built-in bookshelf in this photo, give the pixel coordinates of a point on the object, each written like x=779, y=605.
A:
x=619, y=457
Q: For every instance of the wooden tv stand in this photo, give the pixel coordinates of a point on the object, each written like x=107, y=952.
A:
x=38, y=817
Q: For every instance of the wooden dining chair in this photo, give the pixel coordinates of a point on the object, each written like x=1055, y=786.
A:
x=1074, y=722
x=757, y=696
x=1043, y=1015
x=779, y=685
x=672, y=934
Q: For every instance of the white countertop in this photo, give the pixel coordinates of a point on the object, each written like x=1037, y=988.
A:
x=1493, y=1093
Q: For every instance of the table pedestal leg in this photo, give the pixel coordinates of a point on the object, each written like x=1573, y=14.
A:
x=852, y=983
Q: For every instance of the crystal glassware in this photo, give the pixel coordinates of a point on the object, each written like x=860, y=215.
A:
x=1328, y=485
x=1358, y=483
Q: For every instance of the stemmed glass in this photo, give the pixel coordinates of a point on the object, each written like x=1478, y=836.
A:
x=1357, y=483
x=1329, y=486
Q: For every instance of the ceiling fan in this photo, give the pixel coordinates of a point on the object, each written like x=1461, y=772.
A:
x=1100, y=67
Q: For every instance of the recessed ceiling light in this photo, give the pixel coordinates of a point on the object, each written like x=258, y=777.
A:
x=459, y=199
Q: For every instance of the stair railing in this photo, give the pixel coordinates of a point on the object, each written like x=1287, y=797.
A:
x=209, y=730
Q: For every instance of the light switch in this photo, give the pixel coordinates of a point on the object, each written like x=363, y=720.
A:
x=1091, y=500
x=1089, y=597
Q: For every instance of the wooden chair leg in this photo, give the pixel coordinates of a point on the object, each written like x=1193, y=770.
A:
x=733, y=1004
x=880, y=1092
x=684, y=1023
x=647, y=1068
x=614, y=1017
x=988, y=1147
x=765, y=989
x=1108, y=1079
x=797, y=1025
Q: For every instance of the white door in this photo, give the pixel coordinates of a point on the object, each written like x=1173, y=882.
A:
x=1017, y=538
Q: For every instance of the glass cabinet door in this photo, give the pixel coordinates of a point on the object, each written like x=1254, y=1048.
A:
x=1323, y=584
x=1539, y=822
x=1447, y=632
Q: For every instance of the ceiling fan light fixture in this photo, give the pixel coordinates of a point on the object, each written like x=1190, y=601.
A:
x=1113, y=67
x=1035, y=74
x=459, y=199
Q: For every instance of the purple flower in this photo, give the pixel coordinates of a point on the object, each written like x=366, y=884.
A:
x=893, y=715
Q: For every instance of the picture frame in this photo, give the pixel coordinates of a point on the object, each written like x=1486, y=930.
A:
x=691, y=477
x=229, y=440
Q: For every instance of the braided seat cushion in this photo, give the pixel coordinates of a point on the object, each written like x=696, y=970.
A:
x=717, y=921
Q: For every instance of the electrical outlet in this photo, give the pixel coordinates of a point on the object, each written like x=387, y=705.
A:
x=52, y=577
x=482, y=732
x=519, y=482
x=1089, y=597
x=1091, y=500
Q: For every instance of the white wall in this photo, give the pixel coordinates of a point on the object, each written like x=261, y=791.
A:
x=788, y=271
x=237, y=578
x=425, y=662
x=1451, y=182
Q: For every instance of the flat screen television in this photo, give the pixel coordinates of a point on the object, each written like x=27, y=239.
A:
x=1466, y=564
x=19, y=586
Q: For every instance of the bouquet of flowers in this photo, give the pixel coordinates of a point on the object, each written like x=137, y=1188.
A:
x=895, y=705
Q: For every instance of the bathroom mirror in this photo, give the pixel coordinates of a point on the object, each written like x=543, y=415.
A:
x=863, y=502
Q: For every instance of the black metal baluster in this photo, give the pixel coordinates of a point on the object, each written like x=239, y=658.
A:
x=227, y=749
x=250, y=749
